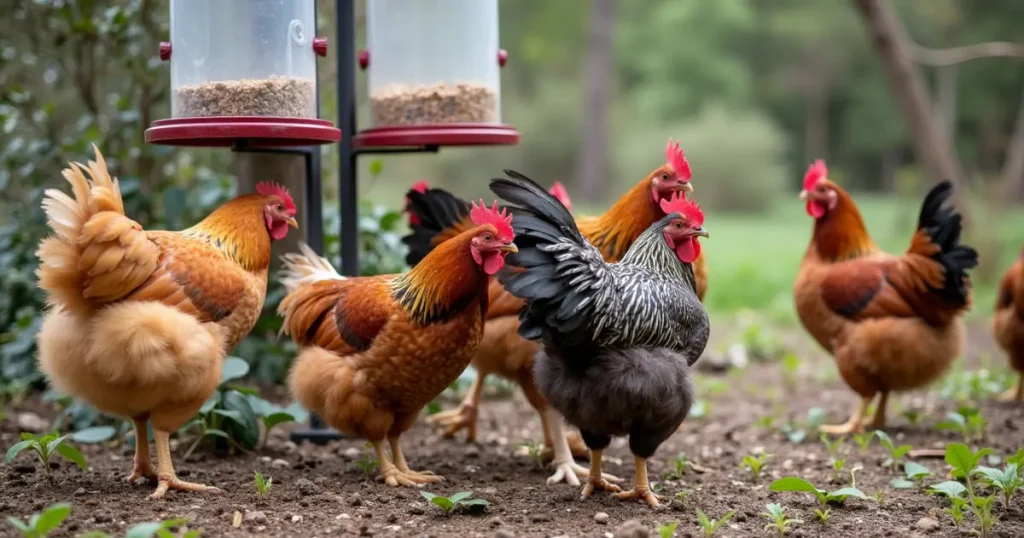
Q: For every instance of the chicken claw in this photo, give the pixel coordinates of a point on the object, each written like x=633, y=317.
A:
x=169, y=482
x=855, y=424
x=639, y=492
x=394, y=477
x=598, y=484
x=142, y=470
x=462, y=417
x=1015, y=393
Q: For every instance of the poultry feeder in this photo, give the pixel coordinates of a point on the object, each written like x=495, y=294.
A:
x=433, y=71
x=243, y=74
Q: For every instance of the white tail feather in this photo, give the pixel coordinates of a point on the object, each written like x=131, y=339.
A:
x=306, y=267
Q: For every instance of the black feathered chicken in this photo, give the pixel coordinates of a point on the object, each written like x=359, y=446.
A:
x=618, y=338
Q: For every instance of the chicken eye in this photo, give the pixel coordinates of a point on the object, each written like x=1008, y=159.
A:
x=664, y=176
x=279, y=207
x=488, y=237
x=679, y=225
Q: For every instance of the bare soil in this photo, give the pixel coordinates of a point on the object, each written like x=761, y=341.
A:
x=322, y=492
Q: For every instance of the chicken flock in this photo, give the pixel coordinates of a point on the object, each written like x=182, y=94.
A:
x=597, y=319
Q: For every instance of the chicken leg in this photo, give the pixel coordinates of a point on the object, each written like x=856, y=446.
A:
x=877, y=421
x=854, y=425
x=397, y=473
x=596, y=480
x=642, y=488
x=565, y=465
x=464, y=416
x=143, y=465
x=167, y=480
x=1015, y=394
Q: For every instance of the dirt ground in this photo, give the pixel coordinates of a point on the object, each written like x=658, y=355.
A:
x=321, y=491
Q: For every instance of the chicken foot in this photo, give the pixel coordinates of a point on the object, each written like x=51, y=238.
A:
x=877, y=421
x=642, y=488
x=397, y=473
x=1016, y=393
x=566, y=468
x=596, y=480
x=143, y=465
x=464, y=416
x=167, y=479
x=854, y=425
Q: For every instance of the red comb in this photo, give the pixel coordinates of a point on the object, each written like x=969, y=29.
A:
x=687, y=208
x=815, y=173
x=269, y=188
x=675, y=158
x=420, y=186
x=501, y=220
x=558, y=191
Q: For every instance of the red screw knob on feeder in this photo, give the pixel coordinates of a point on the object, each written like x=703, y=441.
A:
x=165, y=50
x=502, y=57
x=320, y=46
x=364, y=58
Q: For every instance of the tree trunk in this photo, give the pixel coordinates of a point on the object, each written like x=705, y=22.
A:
x=285, y=169
x=931, y=143
x=1013, y=167
x=592, y=164
x=946, y=95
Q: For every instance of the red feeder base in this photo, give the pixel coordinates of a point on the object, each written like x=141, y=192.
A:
x=246, y=132
x=449, y=134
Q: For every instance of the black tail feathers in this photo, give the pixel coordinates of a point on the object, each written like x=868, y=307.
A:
x=943, y=225
x=437, y=210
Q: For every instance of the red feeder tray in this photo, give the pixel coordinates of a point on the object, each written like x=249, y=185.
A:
x=253, y=132
x=450, y=134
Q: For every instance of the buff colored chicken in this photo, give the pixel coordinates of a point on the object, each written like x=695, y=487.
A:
x=140, y=321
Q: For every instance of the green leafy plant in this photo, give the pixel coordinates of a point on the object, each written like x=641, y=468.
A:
x=448, y=504
x=679, y=465
x=896, y=453
x=981, y=508
x=775, y=513
x=965, y=464
x=796, y=431
x=158, y=529
x=272, y=415
x=832, y=445
x=711, y=526
x=681, y=495
x=263, y=485
x=915, y=474
x=797, y=484
x=863, y=440
x=1007, y=480
x=913, y=416
x=668, y=530
x=535, y=450
x=790, y=368
x=40, y=525
x=837, y=467
x=823, y=514
x=45, y=447
x=967, y=421
x=367, y=464
x=954, y=491
x=228, y=414
x=755, y=464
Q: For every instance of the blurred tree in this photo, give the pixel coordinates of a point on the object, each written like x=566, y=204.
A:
x=592, y=159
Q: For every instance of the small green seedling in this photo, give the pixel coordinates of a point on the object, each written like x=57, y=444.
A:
x=1007, y=480
x=711, y=526
x=448, y=504
x=863, y=440
x=536, y=452
x=896, y=453
x=681, y=495
x=775, y=513
x=954, y=491
x=832, y=446
x=159, y=529
x=367, y=464
x=879, y=497
x=1018, y=460
x=823, y=515
x=964, y=461
x=755, y=464
x=45, y=447
x=263, y=485
x=966, y=421
x=913, y=416
x=790, y=368
x=915, y=474
x=837, y=467
x=679, y=465
x=837, y=497
x=668, y=530
x=981, y=508
x=40, y=525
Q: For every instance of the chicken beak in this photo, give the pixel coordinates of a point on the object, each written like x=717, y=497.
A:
x=292, y=222
x=510, y=248
x=803, y=194
x=701, y=232
x=686, y=187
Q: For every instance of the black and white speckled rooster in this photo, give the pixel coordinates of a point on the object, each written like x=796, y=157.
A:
x=619, y=338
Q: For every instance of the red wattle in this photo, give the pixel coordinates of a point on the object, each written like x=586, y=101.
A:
x=493, y=262
x=816, y=209
x=688, y=250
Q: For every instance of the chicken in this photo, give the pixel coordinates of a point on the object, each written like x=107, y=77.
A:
x=421, y=187
x=1008, y=324
x=892, y=323
x=140, y=321
x=618, y=338
x=377, y=349
x=502, y=351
